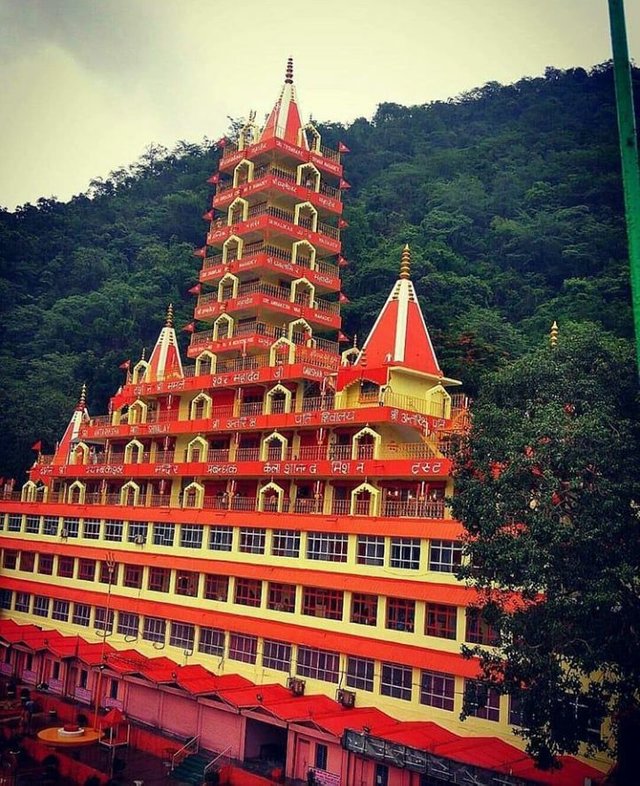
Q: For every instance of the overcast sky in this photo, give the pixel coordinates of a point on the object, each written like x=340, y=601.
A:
x=86, y=85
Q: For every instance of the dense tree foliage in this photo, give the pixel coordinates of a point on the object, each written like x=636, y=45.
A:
x=547, y=486
x=509, y=196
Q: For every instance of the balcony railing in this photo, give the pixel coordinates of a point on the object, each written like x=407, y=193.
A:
x=282, y=293
x=415, y=508
x=264, y=209
x=265, y=329
x=285, y=174
x=231, y=148
x=259, y=247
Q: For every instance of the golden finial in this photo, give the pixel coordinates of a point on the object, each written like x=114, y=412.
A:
x=405, y=263
x=288, y=79
x=355, y=340
x=553, y=335
x=144, y=353
x=83, y=396
x=169, y=322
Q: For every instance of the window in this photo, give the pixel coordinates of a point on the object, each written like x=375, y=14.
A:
x=187, y=583
x=327, y=546
x=32, y=525
x=138, y=532
x=113, y=530
x=405, y=553
x=81, y=614
x=50, y=526
x=191, y=536
x=216, y=587
x=322, y=603
x=211, y=641
x=91, y=529
x=15, y=523
x=282, y=597
x=108, y=572
x=104, y=619
x=437, y=689
x=248, y=592
x=41, y=606
x=70, y=527
x=128, y=624
x=86, y=570
x=132, y=576
x=516, y=711
x=364, y=609
x=360, y=673
x=27, y=561
x=163, y=534
x=60, y=610
x=396, y=681
x=154, y=629
x=159, y=579
x=445, y=555
x=370, y=550
x=220, y=538
x=481, y=701
x=319, y=664
x=182, y=635
x=6, y=596
x=276, y=655
x=401, y=614
x=23, y=601
x=9, y=559
x=65, y=567
x=479, y=631
x=321, y=756
x=252, y=540
x=441, y=621
x=243, y=648
x=285, y=543
x=45, y=564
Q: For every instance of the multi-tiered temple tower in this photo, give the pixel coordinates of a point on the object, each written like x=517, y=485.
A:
x=256, y=548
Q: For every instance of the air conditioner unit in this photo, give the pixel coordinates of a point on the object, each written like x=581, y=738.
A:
x=296, y=686
x=139, y=540
x=346, y=697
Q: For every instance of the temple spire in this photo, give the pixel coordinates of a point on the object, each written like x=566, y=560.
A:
x=553, y=335
x=169, y=320
x=405, y=263
x=82, y=401
x=164, y=361
x=288, y=77
x=284, y=121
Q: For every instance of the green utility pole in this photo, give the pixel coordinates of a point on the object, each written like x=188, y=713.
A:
x=628, y=153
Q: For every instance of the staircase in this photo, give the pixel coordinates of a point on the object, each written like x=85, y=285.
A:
x=191, y=769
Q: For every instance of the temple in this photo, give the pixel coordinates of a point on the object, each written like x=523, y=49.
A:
x=254, y=550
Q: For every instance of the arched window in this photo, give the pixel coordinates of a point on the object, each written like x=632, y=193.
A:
x=77, y=492
x=200, y=407
x=139, y=371
x=197, y=450
x=223, y=327
x=193, y=496
x=205, y=363
x=134, y=452
x=232, y=248
x=305, y=215
x=303, y=292
x=137, y=412
x=271, y=498
x=365, y=500
x=238, y=211
x=228, y=287
x=309, y=137
x=243, y=173
x=130, y=494
x=278, y=400
x=308, y=176
x=303, y=253
x=274, y=447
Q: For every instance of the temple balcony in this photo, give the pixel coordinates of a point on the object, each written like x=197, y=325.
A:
x=262, y=218
x=324, y=197
x=325, y=159
x=252, y=335
x=270, y=298
x=259, y=256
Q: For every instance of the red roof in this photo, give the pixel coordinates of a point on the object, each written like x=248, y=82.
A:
x=284, y=121
x=160, y=670
x=165, y=362
x=356, y=719
x=303, y=708
x=126, y=661
x=197, y=681
x=425, y=735
x=256, y=695
x=95, y=653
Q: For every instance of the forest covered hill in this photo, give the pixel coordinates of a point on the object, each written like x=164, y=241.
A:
x=509, y=196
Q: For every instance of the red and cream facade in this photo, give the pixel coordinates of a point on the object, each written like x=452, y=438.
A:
x=256, y=547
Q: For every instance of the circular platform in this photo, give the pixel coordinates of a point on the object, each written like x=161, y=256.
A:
x=67, y=739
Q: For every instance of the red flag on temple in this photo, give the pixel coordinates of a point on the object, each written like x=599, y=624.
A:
x=342, y=148
x=343, y=185
x=342, y=224
x=208, y=216
x=125, y=366
x=342, y=262
x=190, y=328
x=37, y=446
x=200, y=252
x=221, y=142
x=342, y=336
x=195, y=290
x=215, y=178
x=342, y=298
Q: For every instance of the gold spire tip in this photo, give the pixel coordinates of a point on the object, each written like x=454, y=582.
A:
x=405, y=262
x=553, y=335
x=169, y=322
x=144, y=353
x=355, y=340
x=288, y=79
x=83, y=394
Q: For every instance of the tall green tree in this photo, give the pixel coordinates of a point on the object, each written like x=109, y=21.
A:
x=548, y=489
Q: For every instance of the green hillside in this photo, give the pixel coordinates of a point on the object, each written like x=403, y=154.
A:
x=509, y=196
